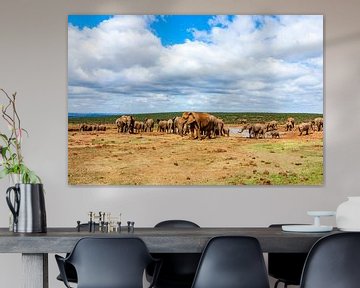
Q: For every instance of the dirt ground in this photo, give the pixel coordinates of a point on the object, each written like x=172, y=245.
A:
x=153, y=158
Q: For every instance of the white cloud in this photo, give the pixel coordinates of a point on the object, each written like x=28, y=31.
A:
x=251, y=63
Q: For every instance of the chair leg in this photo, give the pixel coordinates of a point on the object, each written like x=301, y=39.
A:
x=278, y=282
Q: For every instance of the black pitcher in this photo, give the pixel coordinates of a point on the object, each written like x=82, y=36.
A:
x=28, y=208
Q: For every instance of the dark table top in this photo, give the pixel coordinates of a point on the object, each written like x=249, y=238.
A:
x=158, y=240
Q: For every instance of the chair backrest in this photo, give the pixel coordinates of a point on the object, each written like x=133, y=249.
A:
x=110, y=262
x=232, y=262
x=176, y=224
x=333, y=262
x=286, y=266
x=177, y=268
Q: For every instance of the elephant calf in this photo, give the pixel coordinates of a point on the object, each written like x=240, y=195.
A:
x=226, y=131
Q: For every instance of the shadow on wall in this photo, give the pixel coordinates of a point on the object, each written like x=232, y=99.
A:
x=343, y=39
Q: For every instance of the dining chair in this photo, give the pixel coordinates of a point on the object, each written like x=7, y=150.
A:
x=178, y=269
x=69, y=269
x=108, y=263
x=286, y=267
x=232, y=262
x=333, y=262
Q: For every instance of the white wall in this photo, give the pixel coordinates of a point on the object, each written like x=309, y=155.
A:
x=33, y=62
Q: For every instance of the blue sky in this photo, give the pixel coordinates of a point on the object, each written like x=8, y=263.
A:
x=226, y=63
x=163, y=27
x=89, y=21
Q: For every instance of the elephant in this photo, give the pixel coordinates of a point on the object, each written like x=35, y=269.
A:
x=198, y=122
x=162, y=125
x=130, y=124
x=101, y=127
x=82, y=127
x=176, y=125
x=85, y=127
x=272, y=125
x=219, y=127
x=179, y=126
x=275, y=134
x=182, y=128
x=292, y=121
x=138, y=126
x=318, y=124
x=170, y=126
x=226, y=131
x=304, y=127
x=289, y=126
x=255, y=130
x=122, y=124
x=125, y=124
x=148, y=125
x=245, y=127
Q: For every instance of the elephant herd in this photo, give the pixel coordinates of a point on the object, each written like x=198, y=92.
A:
x=204, y=125
x=95, y=127
x=258, y=130
x=196, y=123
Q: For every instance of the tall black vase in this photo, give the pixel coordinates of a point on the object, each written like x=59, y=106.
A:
x=28, y=208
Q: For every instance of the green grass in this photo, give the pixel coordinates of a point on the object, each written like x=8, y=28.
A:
x=283, y=163
x=229, y=118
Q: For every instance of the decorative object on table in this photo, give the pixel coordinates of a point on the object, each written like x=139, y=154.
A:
x=130, y=225
x=143, y=76
x=101, y=221
x=27, y=202
x=316, y=227
x=348, y=214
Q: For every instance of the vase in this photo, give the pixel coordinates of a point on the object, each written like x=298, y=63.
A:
x=348, y=215
x=27, y=205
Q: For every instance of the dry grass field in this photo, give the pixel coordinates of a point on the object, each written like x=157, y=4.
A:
x=154, y=158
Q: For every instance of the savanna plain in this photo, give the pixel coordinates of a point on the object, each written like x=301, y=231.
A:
x=161, y=158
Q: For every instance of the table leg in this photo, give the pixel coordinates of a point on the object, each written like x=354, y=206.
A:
x=35, y=270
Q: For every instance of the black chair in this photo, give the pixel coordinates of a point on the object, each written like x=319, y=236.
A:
x=333, y=262
x=286, y=267
x=232, y=262
x=178, y=269
x=69, y=269
x=108, y=262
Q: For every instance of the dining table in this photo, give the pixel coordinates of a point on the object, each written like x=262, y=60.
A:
x=35, y=247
